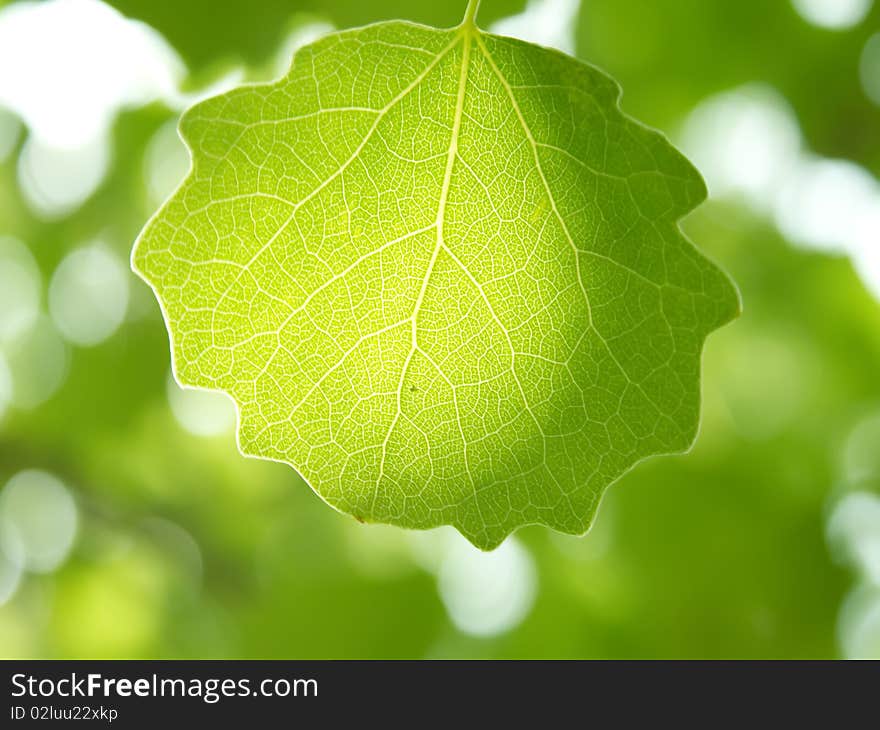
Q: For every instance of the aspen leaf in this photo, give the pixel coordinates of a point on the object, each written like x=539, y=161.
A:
x=441, y=275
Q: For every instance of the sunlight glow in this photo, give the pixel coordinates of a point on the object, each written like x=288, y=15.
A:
x=68, y=94
x=64, y=88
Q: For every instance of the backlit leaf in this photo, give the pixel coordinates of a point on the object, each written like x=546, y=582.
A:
x=441, y=275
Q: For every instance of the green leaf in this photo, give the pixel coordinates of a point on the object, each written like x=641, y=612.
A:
x=441, y=275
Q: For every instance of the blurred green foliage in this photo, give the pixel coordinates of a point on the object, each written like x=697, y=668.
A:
x=669, y=54
x=253, y=31
x=186, y=549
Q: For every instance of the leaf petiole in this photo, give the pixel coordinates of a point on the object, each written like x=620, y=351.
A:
x=470, y=15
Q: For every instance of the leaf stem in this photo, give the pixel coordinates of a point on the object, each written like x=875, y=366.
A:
x=470, y=15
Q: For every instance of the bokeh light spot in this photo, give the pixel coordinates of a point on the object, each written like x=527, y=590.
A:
x=88, y=295
x=869, y=68
x=55, y=181
x=861, y=454
x=487, y=594
x=824, y=203
x=77, y=63
x=744, y=141
x=38, y=519
x=38, y=361
x=379, y=552
x=201, y=412
x=833, y=14
x=747, y=142
x=301, y=35
x=166, y=162
x=549, y=23
x=859, y=624
x=180, y=546
x=20, y=285
x=854, y=533
x=10, y=563
x=5, y=386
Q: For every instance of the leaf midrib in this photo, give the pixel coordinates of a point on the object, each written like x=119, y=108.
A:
x=469, y=36
x=466, y=34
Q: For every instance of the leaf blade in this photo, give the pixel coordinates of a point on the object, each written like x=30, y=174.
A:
x=441, y=274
